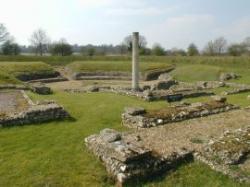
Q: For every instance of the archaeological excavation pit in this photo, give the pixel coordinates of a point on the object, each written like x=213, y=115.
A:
x=16, y=108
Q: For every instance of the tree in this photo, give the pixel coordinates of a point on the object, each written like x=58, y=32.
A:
x=237, y=49
x=178, y=52
x=246, y=44
x=61, y=48
x=10, y=48
x=192, y=50
x=129, y=40
x=40, y=41
x=122, y=49
x=209, y=49
x=158, y=50
x=220, y=45
x=91, y=51
x=3, y=33
x=216, y=47
x=145, y=51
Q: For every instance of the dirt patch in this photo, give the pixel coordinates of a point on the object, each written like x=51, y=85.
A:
x=166, y=139
x=12, y=102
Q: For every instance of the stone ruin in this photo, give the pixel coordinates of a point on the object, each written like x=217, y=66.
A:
x=119, y=75
x=21, y=110
x=228, y=76
x=229, y=154
x=140, y=118
x=126, y=160
x=38, y=87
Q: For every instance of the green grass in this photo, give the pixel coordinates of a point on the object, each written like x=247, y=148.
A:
x=124, y=66
x=54, y=154
x=10, y=70
x=6, y=78
x=196, y=73
x=15, y=68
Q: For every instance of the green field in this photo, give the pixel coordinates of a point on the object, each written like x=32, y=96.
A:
x=54, y=154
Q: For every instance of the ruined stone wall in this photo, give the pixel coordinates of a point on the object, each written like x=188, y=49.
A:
x=102, y=75
x=126, y=160
x=35, y=114
x=141, y=119
x=228, y=154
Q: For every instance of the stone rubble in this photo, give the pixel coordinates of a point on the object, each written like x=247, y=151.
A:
x=175, y=113
x=228, y=76
x=231, y=149
x=40, y=88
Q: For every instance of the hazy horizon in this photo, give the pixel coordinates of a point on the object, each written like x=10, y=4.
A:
x=170, y=23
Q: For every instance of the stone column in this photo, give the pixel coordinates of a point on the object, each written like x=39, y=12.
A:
x=135, y=62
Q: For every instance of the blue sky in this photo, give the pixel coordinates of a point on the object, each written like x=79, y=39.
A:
x=174, y=23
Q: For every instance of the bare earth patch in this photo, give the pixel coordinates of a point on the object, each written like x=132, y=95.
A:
x=11, y=102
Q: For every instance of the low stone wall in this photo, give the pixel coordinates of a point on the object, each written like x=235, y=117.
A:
x=38, y=88
x=126, y=159
x=35, y=114
x=49, y=80
x=140, y=118
x=34, y=76
x=236, y=91
x=228, y=154
x=13, y=87
x=102, y=76
x=119, y=75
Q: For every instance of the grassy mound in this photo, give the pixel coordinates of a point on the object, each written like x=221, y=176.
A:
x=6, y=78
x=11, y=70
x=189, y=73
x=124, y=66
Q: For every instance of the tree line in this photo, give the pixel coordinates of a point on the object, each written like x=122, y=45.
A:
x=40, y=44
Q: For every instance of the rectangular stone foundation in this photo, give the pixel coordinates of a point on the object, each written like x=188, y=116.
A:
x=126, y=160
x=28, y=112
x=145, y=119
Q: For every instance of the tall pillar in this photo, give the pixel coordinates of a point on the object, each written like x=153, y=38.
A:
x=135, y=62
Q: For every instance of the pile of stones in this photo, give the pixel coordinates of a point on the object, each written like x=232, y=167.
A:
x=126, y=160
x=229, y=151
x=40, y=88
x=228, y=76
x=140, y=118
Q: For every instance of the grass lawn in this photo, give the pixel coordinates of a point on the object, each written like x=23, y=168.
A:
x=6, y=78
x=54, y=154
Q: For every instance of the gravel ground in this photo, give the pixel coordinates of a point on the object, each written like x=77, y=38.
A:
x=191, y=134
x=12, y=101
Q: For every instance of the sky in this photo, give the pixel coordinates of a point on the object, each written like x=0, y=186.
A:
x=171, y=23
